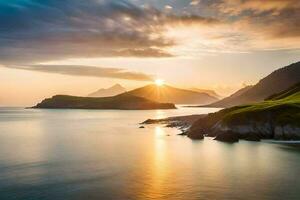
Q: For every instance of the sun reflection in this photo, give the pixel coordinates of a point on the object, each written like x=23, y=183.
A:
x=158, y=168
x=159, y=131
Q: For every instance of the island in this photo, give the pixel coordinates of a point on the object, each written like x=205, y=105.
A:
x=119, y=102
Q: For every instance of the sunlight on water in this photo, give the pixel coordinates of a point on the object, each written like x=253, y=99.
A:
x=159, y=132
x=160, y=114
x=80, y=154
x=158, y=173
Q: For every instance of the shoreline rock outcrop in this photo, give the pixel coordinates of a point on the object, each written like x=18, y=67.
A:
x=227, y=137
x=183, y=123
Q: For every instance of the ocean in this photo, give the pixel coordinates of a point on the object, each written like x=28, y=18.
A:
x=102, y=154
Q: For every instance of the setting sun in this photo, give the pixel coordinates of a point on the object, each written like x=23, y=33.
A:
x=159, y=82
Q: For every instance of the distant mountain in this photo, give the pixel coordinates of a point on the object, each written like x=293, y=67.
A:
x=209, y=92
x=228, y=100
x=167, y=93
x=109, y=92
x=276, y=82
x=120, y=102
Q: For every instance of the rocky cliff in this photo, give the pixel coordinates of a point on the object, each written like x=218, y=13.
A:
x=277, y=118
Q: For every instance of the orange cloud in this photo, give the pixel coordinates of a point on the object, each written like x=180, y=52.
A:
x=88, y=71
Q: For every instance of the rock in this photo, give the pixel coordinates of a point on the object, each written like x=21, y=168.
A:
x=175, y=124
x=286, y=132
x=253, y=138
x=142, y=127
x=195, y=135
x=291, y=132
x=183, y=133
x=150, y=121
x=229, y=137
x=175, y=121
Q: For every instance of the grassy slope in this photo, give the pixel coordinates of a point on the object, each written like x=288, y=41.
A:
x=284, y=111
x=280, y=109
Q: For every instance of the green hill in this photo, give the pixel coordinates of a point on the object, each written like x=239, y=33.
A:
x=276, y=82
x=276, y=118
x=121, y=102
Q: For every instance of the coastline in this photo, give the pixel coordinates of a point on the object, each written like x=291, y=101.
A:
x=183, y=123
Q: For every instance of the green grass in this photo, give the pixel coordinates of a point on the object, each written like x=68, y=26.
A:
x=282, y=111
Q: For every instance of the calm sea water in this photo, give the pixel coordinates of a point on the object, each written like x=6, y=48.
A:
x=89, y=154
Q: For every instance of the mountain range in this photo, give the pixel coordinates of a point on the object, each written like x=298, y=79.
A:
x=276, y=82
x=144, y=98
x=108, y=92
x=209, y=92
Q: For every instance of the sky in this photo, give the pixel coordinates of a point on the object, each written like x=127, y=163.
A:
x=75, y=47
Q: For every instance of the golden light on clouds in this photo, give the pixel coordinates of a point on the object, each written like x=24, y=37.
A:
x=194, y=41
x=100, y=43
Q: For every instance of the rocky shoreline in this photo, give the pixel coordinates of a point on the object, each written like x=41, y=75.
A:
x=230, y=134
x=182, y=123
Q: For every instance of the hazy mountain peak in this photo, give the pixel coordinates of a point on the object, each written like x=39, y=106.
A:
x=108, y=92
x=207, y=91
x=117, y=86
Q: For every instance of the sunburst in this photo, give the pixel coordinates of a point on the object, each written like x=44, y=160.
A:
x=159, y=82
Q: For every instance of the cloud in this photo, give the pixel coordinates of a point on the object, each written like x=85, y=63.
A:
x=168, y=7
x=273, y=18
x=87, y=71
x=150, y=52
x=236, y=7
x=237, y=26
x=191, y=20
x=35, y=31
x=195, y=2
